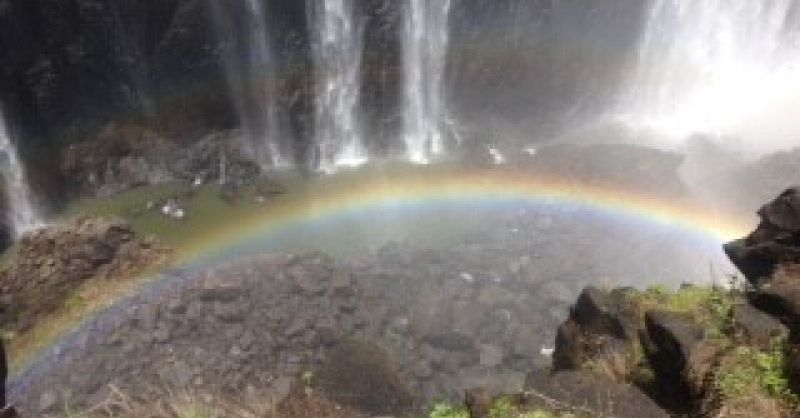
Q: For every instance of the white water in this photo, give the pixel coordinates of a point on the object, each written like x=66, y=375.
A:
x=721, y=67
x=22, y=215
x=250, y=72
x=338, y=44
x=262, y=81
x=425, y=46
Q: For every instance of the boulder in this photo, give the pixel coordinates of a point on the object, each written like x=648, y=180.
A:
x=55, y=261
x=603, y=312
x=588, y=393
x=780, y=296
x=756, y=328
x=360, y=375
x=670, y=337
x=774, y=243
x=601, y=327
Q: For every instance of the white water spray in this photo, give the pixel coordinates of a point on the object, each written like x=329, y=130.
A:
x=21, y=213
x=338, y=44
x=425, y=46
x=720, y=67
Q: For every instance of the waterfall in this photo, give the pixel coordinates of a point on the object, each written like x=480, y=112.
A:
x=723, y=67
x=425, y=44
x=262, y=80
x=21, y=214
x=252, y=79
x=337, y=50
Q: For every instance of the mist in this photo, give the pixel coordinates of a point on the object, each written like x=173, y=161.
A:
x=250, y=202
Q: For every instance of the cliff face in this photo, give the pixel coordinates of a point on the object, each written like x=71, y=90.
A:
x=71, y=64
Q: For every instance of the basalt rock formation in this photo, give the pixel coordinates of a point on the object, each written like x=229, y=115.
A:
x=697, y=352
x=51, y=263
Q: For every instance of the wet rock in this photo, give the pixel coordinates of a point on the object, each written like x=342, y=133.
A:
x=587, y=392
x=755, y=328
x=700, y=367
x=784, y=212
x=780, y=295
x=478, y=402
x=600, y=326
x=774, y=243
x=362, y=376
x=53, y=262
x=671, y=337
x=604, y=313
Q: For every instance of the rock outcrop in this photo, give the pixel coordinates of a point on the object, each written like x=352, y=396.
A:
x=123, y=157
x=595, y=395
x=714, y=353
x=774, y=244
x=53, y=262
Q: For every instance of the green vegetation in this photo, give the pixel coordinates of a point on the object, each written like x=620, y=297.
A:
x=756, y=370
x=710, y=306
x=442, y=410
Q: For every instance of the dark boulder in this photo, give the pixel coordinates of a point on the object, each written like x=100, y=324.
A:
x=601, y=326
x=670, y=339
x=780, y=296
x=755, y=328
x=775, y=242
x=603, y=312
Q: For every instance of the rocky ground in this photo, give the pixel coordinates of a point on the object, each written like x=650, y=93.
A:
x=434, y=322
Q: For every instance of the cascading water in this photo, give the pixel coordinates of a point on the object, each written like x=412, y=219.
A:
x=263, y=81
x=721, y=67
x=338, y=44
x=21, y=213
x=249, y=68
x=426, y=38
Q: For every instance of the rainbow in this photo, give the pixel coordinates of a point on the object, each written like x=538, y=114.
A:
x=338, y=197
x=460, y=187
